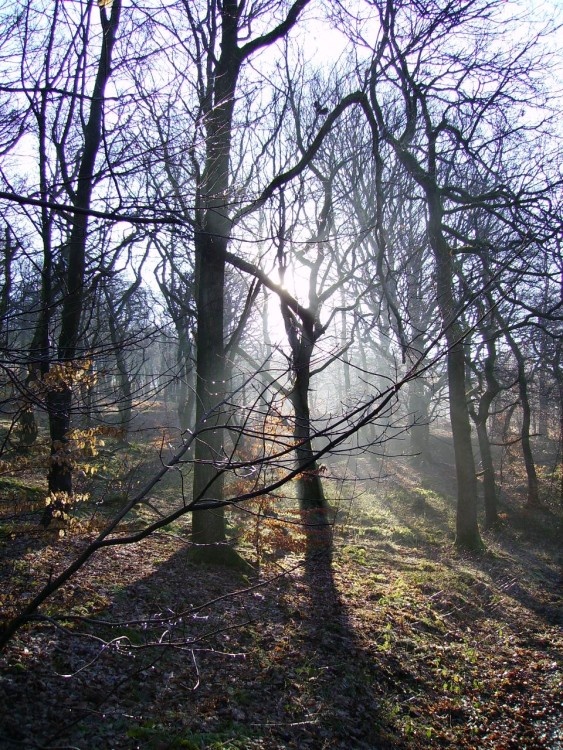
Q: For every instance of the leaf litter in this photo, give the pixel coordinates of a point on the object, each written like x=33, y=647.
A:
x=398, y=642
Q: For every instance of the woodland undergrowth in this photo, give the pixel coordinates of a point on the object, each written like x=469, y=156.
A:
x=399, y=641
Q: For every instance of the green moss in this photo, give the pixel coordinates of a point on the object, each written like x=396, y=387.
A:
x=13, y=488
x=154, y=736
x=356, y=553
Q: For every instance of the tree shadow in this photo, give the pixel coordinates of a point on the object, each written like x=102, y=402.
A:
x=201, y=655
x=204, y=655
x=347, y=681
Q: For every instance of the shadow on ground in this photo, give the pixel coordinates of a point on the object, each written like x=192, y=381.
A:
x=397, y=641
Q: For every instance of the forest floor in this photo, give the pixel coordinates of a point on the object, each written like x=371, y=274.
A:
x=399, y=641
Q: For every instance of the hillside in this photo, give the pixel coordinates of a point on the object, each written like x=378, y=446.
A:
x=401, y=642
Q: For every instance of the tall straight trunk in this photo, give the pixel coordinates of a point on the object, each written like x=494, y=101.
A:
x=467, y=528
x=211, y=240
x=213, y=232
x=208, y=526
x=59, y=396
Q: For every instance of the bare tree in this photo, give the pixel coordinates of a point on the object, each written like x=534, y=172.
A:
x=425, y=107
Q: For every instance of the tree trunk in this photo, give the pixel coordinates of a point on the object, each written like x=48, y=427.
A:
x=9, y=254
x=59, y=397
x=481, y=418
x=489, y=483
x=214, y=226
x=310, y=493
x=560, y=390
x=467, y=529
x=211, y=240
x=59, y=477
x=208, y=526
x=533, y=490
x=533, y=499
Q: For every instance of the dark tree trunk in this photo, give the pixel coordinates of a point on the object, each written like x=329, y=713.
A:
x=310, y=493
x=533, y=499
x=426, y=175
x=59, y=397
x=467, y=528
x=212, y=236
x=490, y=495
x=208, y=526
x=9, y=253
x=481, y=418
x=560, y=390
x=533, y=489
x=213, y=232
x=59, y=478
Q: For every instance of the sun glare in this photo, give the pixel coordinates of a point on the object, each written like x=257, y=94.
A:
x=296, y=282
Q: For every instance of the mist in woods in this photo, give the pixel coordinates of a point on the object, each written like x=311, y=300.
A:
x=270, y=271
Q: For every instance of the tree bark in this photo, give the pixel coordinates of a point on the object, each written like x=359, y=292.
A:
x=208, y=526
x=490, y=495
x=533, y=499
x=467, y=528
x=310, y=493
x=212, y=236
x=426, y=176
x=481, y=417
x=59, y=395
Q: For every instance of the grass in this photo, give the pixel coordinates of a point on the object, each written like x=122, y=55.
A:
x=403, y=642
